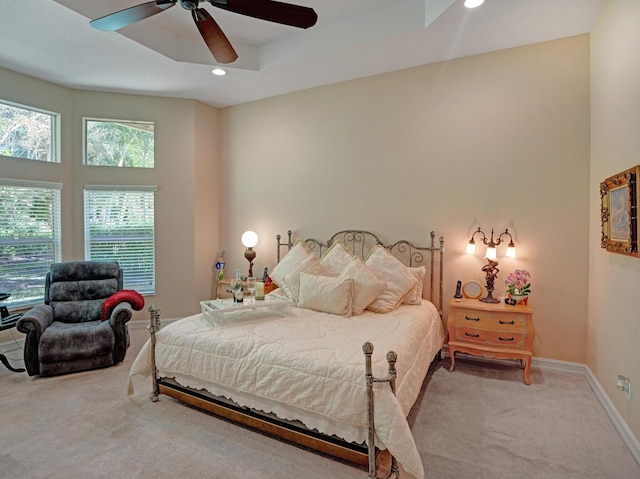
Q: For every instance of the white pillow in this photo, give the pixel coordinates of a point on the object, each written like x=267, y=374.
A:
x=326, y=294
x=399, y=280
x=366, y=285
x=291, y=282
x=336, y=259
x=414, y=296
x=295, y=256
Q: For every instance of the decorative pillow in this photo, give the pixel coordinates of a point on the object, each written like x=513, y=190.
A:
x=399, y=280
x=291, y=282
x=366, y=285
x=269, y=285
x=130, y=296
x=414, y=296
x=295, y=256
x=326, y=294
x=336, y=259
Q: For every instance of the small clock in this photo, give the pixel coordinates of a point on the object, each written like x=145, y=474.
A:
x=472, y=289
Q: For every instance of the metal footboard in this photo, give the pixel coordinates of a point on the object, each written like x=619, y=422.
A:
x=392, y=357
x=367, y=349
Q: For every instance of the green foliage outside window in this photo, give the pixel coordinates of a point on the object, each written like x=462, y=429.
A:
x=26, y=133
x=119, y=143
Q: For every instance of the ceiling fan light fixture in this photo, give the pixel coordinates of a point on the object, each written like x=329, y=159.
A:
x=217, y=42
x=473, y=3
x=219, y=72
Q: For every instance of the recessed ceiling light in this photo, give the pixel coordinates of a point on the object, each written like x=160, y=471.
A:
x=473, y=3
x=219, y=72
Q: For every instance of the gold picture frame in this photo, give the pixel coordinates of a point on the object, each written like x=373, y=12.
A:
x=619, y=212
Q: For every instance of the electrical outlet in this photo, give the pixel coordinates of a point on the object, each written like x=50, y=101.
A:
x=624, y=384
x=628, y=389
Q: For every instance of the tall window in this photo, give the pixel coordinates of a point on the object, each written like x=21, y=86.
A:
x=30, y=237
x=29, y=133
x=118, y=143
x=118, y=226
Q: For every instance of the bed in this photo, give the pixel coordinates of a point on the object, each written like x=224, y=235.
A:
x=337, y=372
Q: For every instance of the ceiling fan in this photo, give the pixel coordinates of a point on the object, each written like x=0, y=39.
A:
x=214, y=37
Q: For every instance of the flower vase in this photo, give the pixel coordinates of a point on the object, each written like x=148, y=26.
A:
x=520, y=299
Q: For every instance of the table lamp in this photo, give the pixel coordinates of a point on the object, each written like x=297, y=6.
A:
x=249, y=240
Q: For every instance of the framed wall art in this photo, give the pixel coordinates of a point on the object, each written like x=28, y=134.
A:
x=619, y=212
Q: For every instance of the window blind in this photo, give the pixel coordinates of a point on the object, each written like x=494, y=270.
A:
x=30, y=238
x=119, y=226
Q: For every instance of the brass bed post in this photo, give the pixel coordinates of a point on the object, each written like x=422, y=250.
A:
x=441, y=295
x=153, y=328
x=432, y=250
x=288, y=244
x=367, y=349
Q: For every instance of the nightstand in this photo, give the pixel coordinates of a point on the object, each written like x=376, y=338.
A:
x=491, y=330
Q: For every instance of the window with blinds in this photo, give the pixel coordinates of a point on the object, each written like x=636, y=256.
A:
x=119, y=226
x=30, y=238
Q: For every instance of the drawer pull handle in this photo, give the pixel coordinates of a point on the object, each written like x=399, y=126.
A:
x=506, y=339
x=471, y=319
x=472, y=335
x=507, y=322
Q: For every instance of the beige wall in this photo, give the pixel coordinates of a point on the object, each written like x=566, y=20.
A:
x=496, y=140
x=186, y=177
x=614, y=322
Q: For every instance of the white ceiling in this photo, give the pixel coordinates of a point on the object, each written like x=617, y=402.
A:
x=164, y=55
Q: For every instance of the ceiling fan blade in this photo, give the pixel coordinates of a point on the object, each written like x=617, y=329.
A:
x=278, y=12
x=123, y=18
x=213, y=36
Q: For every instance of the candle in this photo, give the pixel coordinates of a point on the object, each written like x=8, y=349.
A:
x=259, y=289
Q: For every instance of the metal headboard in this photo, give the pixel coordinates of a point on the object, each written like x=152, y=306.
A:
x=360, y=242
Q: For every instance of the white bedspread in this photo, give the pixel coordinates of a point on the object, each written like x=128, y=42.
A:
x=309, y=366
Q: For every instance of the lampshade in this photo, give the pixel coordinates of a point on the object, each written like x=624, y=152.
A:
x=491, y=253
x=249, y=239
x=471, y=248
x=511, y=251
x=473, y=3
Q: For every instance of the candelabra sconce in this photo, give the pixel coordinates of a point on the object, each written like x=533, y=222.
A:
x=249, y=240
x=491, y=268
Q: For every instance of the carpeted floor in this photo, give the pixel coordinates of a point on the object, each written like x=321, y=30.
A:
x=478, y=422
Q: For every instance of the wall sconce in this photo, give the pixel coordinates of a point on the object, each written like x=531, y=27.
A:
x=491, y=268
x=249, y=240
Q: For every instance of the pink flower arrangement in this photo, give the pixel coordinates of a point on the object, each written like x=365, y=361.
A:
x=518, y=282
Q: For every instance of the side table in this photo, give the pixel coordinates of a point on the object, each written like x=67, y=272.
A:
x=9, y=322
x=491, y=330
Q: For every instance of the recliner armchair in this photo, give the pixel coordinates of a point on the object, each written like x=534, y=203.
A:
x=66, y=334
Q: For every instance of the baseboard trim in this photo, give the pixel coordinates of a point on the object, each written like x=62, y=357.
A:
x=618, y=422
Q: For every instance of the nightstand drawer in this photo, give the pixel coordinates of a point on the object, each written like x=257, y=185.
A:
x=472, y=318
x=503, y=339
